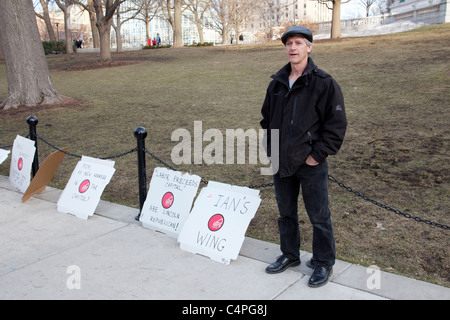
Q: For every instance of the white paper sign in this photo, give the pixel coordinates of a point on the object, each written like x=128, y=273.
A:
x=3, y=155
x=169, y=200
x=85, y=187
x=217, y=224
x=21, y=161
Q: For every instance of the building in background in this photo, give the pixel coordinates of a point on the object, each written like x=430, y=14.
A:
x=425, y=11
x=266, y=16
x=268, y=19
x=134, y=33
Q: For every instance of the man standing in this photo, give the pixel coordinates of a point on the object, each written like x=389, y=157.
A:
x=307, y=107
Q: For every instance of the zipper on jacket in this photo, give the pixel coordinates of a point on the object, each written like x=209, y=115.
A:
x=309, y=137
x=293, y=113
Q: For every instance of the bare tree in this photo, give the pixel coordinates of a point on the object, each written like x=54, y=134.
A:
x=27, y=71
x=65, y=5
x=94, y=29
x=88, y=6
x=220, y=16
x=147, y=13
x=334, y=5
x=367, y=4
x=104, y=11
x=132, y=10
x=198, y=8
x=45, y=16
x=239, y=11
x=174, y=19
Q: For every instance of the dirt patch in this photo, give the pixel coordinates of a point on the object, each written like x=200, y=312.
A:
x=98, y=65
x=92, y=61
x=20, y=112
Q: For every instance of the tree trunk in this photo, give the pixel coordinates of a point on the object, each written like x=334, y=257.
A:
x=95, y=36
x=336, y=20
x=26, y=66
x=199, y=25
x=104, y=23
x=177, y=27
x=47, y=20
x=68, y=33
x=104, y=29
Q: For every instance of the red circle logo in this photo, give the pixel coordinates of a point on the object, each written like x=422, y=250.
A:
x=216, y=222
x=84, y=186
x=20, y=164
x=167, y=200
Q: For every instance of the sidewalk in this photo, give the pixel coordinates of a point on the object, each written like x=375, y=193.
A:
x=113, y=257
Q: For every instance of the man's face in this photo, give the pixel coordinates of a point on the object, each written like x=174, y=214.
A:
x=297, y=50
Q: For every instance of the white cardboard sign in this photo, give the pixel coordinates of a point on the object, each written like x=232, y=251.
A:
x=217, y=224
x=3, y=155
x=82, y=193
x=169, y=201
x=21, y=161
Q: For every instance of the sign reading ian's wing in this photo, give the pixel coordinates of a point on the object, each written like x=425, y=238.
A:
x=169, y=201
x=85, y=187
x=21, y=161
x=217, y=224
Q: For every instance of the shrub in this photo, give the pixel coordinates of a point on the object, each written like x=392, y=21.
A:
x=156, y=47
x=54, y=47
x=204, y=44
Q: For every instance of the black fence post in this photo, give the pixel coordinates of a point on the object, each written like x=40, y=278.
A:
x=32, y=123
x=140, y=133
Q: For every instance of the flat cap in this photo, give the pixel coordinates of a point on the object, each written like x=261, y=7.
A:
x=299, y=31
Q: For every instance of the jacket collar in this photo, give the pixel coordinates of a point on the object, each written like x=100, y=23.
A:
x=283, y=74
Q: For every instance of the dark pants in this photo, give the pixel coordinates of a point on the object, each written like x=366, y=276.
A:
x=314, y=185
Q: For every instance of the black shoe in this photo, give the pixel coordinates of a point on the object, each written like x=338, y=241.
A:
x=312, y=263
x=320, y=276
x=282, y=264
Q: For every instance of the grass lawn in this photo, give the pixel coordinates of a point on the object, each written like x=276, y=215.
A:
x=397, y=93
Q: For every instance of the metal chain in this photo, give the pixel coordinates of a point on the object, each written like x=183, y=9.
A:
x=254, y=186
x=79, y=156
x=11, y=145
x=166, y=164
x=386, y=207
x=341, y=184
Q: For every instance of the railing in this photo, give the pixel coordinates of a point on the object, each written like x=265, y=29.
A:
x=140, y=134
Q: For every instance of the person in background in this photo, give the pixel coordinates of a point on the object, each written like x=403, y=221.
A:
x=158, y=39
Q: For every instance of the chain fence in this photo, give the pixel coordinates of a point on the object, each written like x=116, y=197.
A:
x=253, y=186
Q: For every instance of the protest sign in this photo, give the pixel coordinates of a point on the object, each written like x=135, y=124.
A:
x=169, y=200
x=21, y=161
x=217, y=224
x=3, y=155
x=85, y=187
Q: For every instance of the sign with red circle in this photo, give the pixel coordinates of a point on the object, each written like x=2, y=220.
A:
x=20, y=164
x=216, y=222
x=167, y=200
x=84, y=186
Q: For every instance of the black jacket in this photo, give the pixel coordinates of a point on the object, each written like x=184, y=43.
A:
x=310, y=117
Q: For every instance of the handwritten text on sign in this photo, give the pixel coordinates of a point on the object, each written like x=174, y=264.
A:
x=217, y=224
x=85, y=187
x=21, y=162
x=169, y=200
